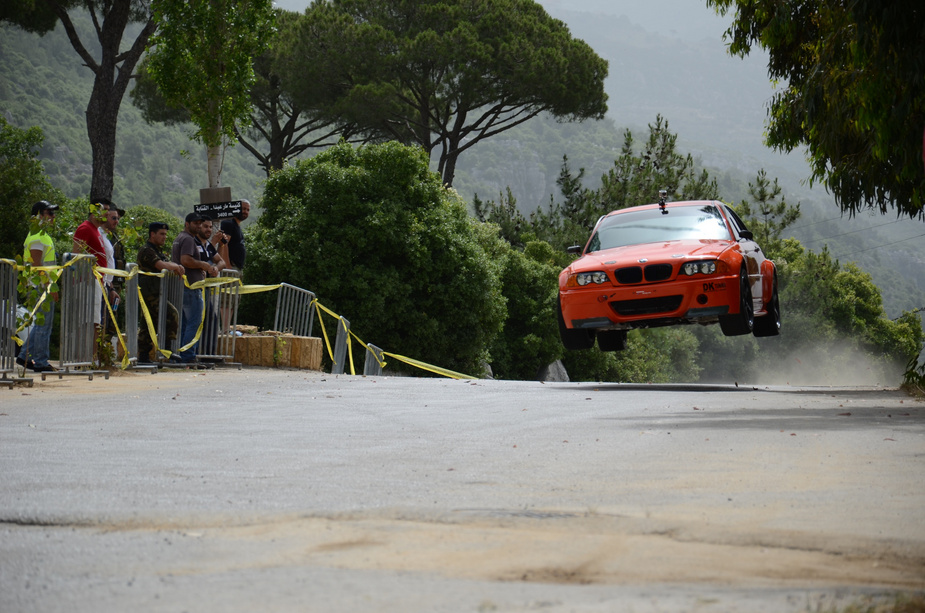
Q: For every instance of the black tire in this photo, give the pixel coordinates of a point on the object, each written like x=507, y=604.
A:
x=611, y=340
x=744, y=321
x=769, y=325
x=573, y=339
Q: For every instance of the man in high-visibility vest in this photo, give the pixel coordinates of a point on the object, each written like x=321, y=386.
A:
x=40, y=251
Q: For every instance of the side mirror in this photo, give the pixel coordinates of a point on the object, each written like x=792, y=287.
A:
x=575, y=249
x=746, y=234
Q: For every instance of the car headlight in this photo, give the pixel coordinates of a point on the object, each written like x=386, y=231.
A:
x=585, y=278
x=707, y=267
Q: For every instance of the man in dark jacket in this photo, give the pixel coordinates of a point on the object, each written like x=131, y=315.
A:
x=237, y=251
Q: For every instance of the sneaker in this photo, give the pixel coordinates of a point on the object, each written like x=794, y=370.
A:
x=30, y=364
x=45, y=368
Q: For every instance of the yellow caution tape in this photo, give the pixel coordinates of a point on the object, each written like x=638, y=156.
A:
x=429, y=367
x=412, y=362
x=324, y=332
x=99, y=279
x=242, y=289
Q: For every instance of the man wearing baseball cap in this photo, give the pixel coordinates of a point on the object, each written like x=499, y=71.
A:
x=185, y=252
x=40, y=251
x=151, y=259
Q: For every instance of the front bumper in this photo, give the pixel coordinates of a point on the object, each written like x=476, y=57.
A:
x=608, y=307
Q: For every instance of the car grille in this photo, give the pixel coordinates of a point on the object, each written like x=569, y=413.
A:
x=658, y=272
x=631, y=274
x=634, y=274
x=646, y=306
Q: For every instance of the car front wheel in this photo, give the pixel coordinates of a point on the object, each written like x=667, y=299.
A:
x=573, y=339
x=743, y=321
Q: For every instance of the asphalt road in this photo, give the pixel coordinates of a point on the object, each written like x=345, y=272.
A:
x=298, y=491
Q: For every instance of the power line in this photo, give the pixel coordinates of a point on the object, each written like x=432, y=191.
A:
x=816, y=240
x=878, y=247
x=818, y=222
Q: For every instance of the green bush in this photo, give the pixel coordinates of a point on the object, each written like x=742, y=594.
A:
x=530, y=339
x=380, y=241
x=22, y=183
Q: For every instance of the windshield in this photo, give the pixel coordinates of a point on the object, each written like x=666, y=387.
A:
x=654, y=226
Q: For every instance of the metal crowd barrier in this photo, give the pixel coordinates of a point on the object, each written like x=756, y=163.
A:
x=220, y=318
x=130, y=307
x=172, y=294
x=8, y=300
x=295, y=313
x=78, y=332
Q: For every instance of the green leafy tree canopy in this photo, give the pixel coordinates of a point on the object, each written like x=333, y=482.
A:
x=380, y=241
x=853, y=92
x=442, y=74
x=201, y=59
x=22, y=183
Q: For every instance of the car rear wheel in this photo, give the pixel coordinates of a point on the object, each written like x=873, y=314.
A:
x=573, y=339
x=743, y=321
x=611, y=340
x=769, y=325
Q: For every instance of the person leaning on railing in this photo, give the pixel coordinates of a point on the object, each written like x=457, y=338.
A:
x=87, y=239
x=151, y=259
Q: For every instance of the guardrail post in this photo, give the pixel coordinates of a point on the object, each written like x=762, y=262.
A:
x=373, y=365
x=340, y=346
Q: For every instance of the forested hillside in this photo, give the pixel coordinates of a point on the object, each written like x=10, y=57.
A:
x=43, y=83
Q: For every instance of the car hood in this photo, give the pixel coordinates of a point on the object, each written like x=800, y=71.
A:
x=670, y=251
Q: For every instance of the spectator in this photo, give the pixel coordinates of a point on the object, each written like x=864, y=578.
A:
x=87, y=239
x=209, y=250
x=110, y=240
x=237, y=251
x=151, y=259
x=39, y=250
x=209, y=253
x=186, y=252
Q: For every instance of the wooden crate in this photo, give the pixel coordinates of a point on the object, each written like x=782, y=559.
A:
x=305, y=352
x=281, y=351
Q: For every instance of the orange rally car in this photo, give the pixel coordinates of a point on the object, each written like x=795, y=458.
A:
x=667, y=264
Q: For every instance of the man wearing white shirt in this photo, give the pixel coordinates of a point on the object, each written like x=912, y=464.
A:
x=109, y=227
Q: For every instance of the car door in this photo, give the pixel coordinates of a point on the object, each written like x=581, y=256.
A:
x=752, y=253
